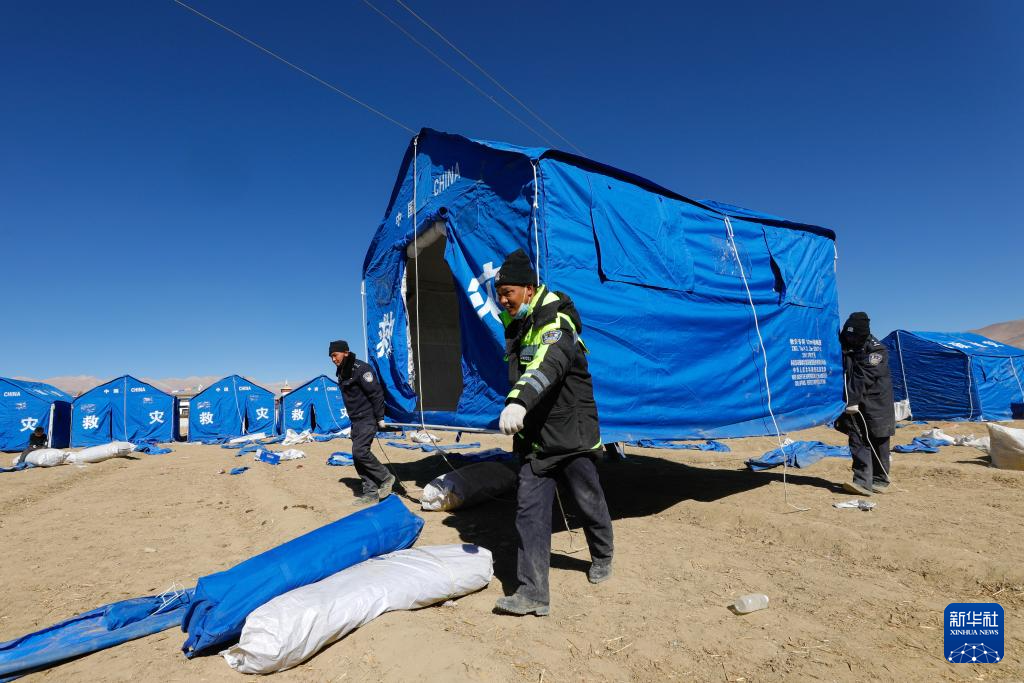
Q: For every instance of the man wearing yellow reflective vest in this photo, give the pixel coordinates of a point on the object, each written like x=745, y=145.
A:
x=552, y=413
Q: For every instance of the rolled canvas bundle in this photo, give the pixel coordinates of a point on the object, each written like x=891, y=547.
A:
x=223, y=600
x=293, y=627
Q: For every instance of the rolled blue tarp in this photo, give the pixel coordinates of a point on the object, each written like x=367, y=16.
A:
x=90, y=631
x=223, y=600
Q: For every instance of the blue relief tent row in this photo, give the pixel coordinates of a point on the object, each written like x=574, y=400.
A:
x=667, y=288
x=316, y=405
x=956, y=375
x=26, y=405
x=124, y=409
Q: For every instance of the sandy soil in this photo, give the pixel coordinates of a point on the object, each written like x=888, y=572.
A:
x=854, y=595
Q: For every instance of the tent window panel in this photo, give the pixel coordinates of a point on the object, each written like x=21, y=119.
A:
x=640, y=236
x=440, y=366
x=803, y=264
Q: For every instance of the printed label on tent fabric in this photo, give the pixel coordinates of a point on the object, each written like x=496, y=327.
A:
x=808, y=367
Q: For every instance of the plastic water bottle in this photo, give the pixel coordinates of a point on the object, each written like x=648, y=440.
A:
x=751, y=603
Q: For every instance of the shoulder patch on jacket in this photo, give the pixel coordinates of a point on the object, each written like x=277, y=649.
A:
x=874, y=359
x=551, y=336
x=368, y=376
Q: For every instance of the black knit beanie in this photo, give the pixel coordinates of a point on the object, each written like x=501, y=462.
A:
x=339, y=345
x=516, y=270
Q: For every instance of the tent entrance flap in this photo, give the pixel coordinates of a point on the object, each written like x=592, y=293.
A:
x=436, y=317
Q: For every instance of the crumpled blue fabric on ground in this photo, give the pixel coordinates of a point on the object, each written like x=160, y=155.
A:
x=709, y=445
x=800, y=454
x=340, y=459
x=238, y=470
x=223, y=600
x=922, y=444
x=268, y=457
x=90, y=631
x=430, y=447
x=17, y=468
x=151, y=448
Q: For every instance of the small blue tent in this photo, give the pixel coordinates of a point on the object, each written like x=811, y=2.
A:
x=316, y=405
x=124, y=409
x=956, y=375
x=230, y=407
x=666, y=286
x=26, y=405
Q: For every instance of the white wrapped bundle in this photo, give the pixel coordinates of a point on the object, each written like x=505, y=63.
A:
x=47, y=457
x=293, y=627
x=115, y=449
x=467, y=486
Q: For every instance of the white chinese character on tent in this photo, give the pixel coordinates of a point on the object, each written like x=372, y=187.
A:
x=385, y=330
x=343, y=413
x=91, y=422
x=156, y=416
x=206, y=418
x=297, y=414
x=28, y=423
x=262, y=413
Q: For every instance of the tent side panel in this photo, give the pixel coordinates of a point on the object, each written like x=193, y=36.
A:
x=997, y=387
x=938, y=381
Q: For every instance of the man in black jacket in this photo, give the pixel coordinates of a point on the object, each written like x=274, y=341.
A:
x=364, y=401
x=552, y=413
x=870, y=417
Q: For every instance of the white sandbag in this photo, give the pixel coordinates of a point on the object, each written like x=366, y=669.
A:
x=467, y=486
x=1006, y=446
x=979, y=442
x=423, y=437
x=248, y=437
x=115, y=449
x=902, y=409
x=293, y=627
x=47, y=457
x=939, y=435
x=291, y=454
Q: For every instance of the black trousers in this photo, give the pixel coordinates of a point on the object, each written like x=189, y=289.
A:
x=368, y=467
x=534, y=501
x=866, y=468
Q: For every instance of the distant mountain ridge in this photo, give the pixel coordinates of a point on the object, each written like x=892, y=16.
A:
x=79, y=384
x=1010, y=332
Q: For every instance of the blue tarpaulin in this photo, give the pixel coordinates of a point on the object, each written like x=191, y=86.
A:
x=709, y=445
x=654, y=275
x=91, y=631
x=801, y=454
x=340, y=459
x=489, y=455
x=316, y=405
x=124, y=409
x=922, y=444
x=223, y=600
x=230, y=407
x=956, y=375
x=431, y=447
x=27, y=405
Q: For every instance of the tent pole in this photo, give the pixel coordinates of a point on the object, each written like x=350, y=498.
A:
x=366, y=341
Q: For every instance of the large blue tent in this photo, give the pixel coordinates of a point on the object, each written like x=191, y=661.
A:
x=26, y=405
x=316, y=405
x=667, y=288
x=124, y=409
x=956, y=375
x=230, y=407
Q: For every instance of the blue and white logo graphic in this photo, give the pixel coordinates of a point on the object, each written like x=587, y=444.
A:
x=974, y=632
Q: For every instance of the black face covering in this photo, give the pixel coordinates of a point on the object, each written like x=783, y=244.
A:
x=855, y=332
x=345, y=369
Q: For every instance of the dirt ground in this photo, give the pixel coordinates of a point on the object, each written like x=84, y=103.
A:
x=854, y=595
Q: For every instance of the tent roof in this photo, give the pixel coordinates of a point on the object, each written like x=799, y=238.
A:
x=306, y=384
x=226, y=377
x=47, y=392
x=965, y=342
x=538, y=153
x=122, y=377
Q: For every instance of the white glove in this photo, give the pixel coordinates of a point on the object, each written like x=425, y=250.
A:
x=381, y=425
x=511, y=420
x=853, y=408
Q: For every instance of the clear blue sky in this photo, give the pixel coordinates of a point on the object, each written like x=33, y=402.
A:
x=174, y=202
